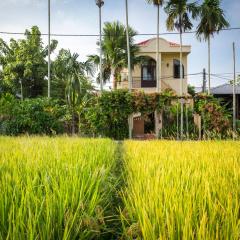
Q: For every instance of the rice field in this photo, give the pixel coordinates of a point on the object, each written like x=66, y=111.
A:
x=188, y=190
x=57, y=188
x=71, y=188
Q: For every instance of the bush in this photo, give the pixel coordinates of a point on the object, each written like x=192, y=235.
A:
x=108, y=115
x=216, y=118
x=31, y=116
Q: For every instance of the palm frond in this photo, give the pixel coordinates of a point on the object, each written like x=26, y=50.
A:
x=212, y=19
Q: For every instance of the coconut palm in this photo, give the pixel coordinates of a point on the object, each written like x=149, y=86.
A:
x=158, y=4
x=114, y=46
x=212, y=20
x=179, y=17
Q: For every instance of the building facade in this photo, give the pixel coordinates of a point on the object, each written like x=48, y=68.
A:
x=144, y=78
x=144, y=74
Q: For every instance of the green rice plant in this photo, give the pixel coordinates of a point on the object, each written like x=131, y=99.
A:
x=55, y=188
x=181, y=190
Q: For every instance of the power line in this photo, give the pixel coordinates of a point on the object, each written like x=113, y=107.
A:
x=138, y=79
x=217, y=76
x=97, y=35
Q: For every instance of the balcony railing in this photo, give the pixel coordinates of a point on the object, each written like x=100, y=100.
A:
x=137, y=82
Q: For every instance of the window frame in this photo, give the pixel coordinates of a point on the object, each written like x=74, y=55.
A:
x=177, y=73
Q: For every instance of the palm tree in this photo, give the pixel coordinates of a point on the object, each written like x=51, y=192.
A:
x=157, y=3
x=179, y=13
x=65, y=65
x=212, y=21
x=77, y=91
x=94, y=61
x=114, y=46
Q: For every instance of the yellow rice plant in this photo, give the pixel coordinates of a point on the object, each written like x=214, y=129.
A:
x=54, y=188
x=181, y=190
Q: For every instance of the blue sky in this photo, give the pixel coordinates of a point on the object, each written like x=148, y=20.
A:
x=81, y=17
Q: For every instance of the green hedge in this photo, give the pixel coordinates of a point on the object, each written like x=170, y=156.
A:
x=31, y=116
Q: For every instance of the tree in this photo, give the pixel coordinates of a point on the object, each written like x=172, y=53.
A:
x=179, y=17
x=158, y=4
x=114, y=48
x=70, y=81
x=65, y=65
x=191, y=90
x=212, y=20
x=23, y=62
x=77, y=89
x=106, y=68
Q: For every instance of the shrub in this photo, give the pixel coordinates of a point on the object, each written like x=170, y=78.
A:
x=108, y=114
x=31, y=116
x=216, y=118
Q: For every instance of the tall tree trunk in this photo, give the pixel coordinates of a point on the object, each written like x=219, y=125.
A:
x=158, y=74
x=49, y=49
x=181, y=84
x=130, y=118
x=100, y=54
x=209, y=65
x=157, y=52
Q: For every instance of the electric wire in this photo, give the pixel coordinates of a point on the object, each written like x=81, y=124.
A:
x=97, y=35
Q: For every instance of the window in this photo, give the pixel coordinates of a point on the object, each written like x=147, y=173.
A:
x=176, y=68
x=149, y=71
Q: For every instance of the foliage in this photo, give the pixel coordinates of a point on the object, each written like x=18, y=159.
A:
x=65, y=67
x=23, y=62
x=31, y=116
x=108, y=116
x=216, y=118
x=114, y=46
x=62, y=188
x=171, y=122
x=212, y=19
x=179, y=12
x=191, y=90
x=70, y=82
x=181, y=190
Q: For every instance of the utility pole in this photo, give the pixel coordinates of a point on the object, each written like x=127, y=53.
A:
x=204, y=81
x=130, y=120
x=234, y=90
x=49, y=48
x=181, y=83
x=100, y=3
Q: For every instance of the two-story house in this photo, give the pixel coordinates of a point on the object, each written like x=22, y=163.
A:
x=144, y=76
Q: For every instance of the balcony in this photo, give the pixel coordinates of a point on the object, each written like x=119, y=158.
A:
x=137, y=82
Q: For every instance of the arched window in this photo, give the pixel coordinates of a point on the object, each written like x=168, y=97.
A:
x=176, y=69
x=149, y=70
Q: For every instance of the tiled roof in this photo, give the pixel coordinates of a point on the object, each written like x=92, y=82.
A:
x=144, y=43
x=225, y=89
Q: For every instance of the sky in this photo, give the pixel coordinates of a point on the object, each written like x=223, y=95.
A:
x=81, y=17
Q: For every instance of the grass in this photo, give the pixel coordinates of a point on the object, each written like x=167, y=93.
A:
x=57, y=188
x=188, y=190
